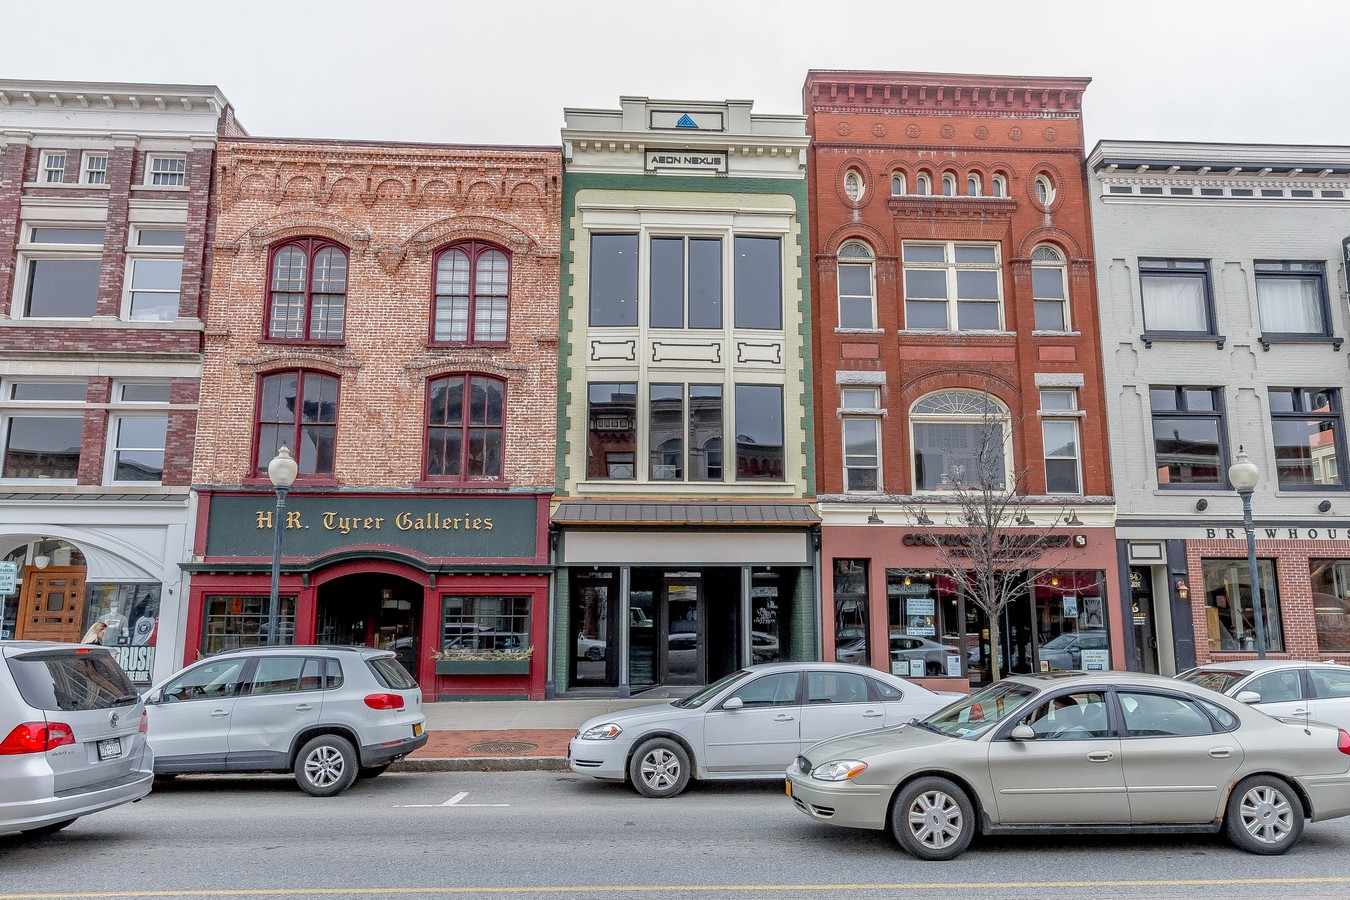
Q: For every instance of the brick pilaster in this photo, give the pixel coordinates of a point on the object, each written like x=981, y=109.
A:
x=120, y=161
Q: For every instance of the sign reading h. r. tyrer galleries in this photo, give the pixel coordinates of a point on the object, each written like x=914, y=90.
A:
x=453, y=527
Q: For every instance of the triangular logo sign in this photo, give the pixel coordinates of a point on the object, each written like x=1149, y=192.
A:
x=686, y=122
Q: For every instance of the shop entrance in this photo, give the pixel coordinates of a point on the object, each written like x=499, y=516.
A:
x=1145, y=620
x=681, y=633
x=372, y=610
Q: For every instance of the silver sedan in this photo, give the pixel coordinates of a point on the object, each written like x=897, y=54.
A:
x=1067, y=754
x=750, y=724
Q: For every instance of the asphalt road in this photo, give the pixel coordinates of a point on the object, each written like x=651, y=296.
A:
x=544, y=835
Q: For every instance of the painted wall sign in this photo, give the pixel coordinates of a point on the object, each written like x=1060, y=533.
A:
x=683, y=120
x=453, y=527
x=687, y=160
x=1280, y=534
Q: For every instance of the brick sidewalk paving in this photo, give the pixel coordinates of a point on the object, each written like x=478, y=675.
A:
x=491, y=744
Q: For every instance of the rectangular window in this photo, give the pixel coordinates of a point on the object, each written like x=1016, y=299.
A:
x=614, y=280
x=856, y=306
x=665, y=432
x=1331, y=604
x=1060, y=438
x=611, y=447
x=1308, y=437
x=53, y=167
x=1292, y=297
x=472, y=625
x=1188, y=435
x=166, y=171
x=1229, y=608
x=43, y=447
x=1176, y=295
x=862, y=440
x=951, y=455
x=159, y=237
x=95, y=169
x=144, y=392
x=759, y=282
x=137, y=448
x=953, y=287
x=62, y=288
x=241, y=620
x=154, y=287
x=759, y=432
x=67, y=235
x=705, y=432
x=850, y=611
x=686, y=282
x=1047, y=289
x=47, y=391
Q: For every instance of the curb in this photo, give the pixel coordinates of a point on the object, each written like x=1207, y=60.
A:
x=483, y=764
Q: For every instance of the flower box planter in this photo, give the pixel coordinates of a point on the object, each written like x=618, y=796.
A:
x=482, y=667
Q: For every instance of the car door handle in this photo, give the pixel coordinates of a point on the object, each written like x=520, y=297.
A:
x=1101, y=756
x=872, y=714
x=303, y=707
x=1221, y=752
x=784, y=718
x=219, y=713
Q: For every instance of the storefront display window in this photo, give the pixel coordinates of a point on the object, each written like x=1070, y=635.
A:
x=131, y=614
x=594, y=594
x=771, y=593
x=473, y=625
x=1228, y=605
x=1070, y=613
x=1331, y=603
x=240, y=620
x=850, y=611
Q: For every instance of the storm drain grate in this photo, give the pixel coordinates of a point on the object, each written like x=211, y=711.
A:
x=502, y=747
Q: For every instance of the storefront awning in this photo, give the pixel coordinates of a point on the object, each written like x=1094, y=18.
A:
x=695, y=512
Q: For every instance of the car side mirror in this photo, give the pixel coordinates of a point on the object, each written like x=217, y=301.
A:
x=153, y=697
x=1022, y=733
x=733, y=703
x=1248, y=697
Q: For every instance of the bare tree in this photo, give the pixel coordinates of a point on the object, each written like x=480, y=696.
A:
x=987, y=541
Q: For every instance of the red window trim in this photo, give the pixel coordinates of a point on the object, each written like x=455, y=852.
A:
x=474, y=249
x=311, y=247
x=429, y=479
x=315, y=478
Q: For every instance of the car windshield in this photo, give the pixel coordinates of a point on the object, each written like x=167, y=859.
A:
x=976, y=714
x=698, y=698
x=1215, y=679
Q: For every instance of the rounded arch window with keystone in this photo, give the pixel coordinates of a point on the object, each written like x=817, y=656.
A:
x=960, y=440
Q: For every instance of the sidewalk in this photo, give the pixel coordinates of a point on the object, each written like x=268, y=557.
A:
x=505, y=735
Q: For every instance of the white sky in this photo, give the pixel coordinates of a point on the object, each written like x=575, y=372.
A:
x=501, y=72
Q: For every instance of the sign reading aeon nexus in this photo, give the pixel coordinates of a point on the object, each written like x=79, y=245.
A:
x=455, y=527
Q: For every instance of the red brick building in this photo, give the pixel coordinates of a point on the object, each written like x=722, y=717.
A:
x=388, y=313
x=953, y=284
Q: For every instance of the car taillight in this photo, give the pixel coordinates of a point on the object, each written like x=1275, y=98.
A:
x=145, y=722
x=1343, y=744
x=384, y=701
x=36, y=737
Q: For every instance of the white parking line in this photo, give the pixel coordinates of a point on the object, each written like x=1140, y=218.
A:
x=453, y=801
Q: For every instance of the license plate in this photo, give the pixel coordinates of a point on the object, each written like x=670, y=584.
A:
x=110, y=748
x=417, y=731
x=788, y=786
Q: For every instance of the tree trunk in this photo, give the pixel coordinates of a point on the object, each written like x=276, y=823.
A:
x=995, y=642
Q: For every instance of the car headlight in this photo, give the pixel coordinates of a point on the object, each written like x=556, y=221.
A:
x=838, y=769
x=606, y=732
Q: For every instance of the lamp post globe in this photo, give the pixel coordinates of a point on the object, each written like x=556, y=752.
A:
x=1243, y=476
x=282, y=471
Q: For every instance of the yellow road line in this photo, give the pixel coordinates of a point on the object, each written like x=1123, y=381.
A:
x=666, y=888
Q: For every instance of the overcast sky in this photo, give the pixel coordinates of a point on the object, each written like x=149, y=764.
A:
x=502, y=72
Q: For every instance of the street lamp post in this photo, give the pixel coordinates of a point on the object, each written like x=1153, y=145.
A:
x=1243, y=474
x=282, y=470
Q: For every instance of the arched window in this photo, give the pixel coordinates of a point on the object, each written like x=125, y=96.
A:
x=307, y=299
x=853, y=185
x=897, y=184
x=1045, y=191
x=948, y=184
x=297, y=410
x=998, y=186
x=465, y=416
x=857, y=293
x=473, y=291
x=1049, y=288
x=973, y=185
x=960, y=440
x=923, y=184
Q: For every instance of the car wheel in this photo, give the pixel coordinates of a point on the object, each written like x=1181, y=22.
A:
x=51, y=828
x=659, y=768
x=1264, y=816
x=371, y=771
x=327, y=765
x=933, y=819
x=595, y=654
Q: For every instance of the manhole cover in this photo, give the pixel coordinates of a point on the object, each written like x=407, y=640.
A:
x=502, y=747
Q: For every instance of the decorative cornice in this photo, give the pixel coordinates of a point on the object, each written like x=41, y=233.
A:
x=953, y=207
x=943, y=94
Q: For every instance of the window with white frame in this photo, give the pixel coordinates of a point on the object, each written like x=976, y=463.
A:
x=953, y=286
x=53, y=167
x=861, y=417
x=948, y=184
x=998, y=186
x=960, y=441
x=853, y=185
x=1059, y=435
x=154, y=274
x=1292, y=297
x=137, y=433
x=1049, y=289
x=43, y=429
x=1045, y=191
x=684, y=432
x=95, y=169
x=857, y=291
x=897, y=184
x=923, y=184
x=61, y=264
x=166, y=171
x=973, y=185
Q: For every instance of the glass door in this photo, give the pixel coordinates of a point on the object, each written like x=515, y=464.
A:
x=682, y=621
x=1145, y=623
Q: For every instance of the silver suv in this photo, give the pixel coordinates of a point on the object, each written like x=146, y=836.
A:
x=327, y=714
x=72, y=735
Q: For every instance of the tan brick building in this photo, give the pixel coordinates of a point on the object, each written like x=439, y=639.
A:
x=388, y=313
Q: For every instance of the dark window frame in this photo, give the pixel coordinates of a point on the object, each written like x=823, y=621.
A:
x=1300, y=397
x=464, y=427
x=1198, y=269
x=311, y=247
x=259, y=468
x=1319, y=272
x=475, y=250
x=1181, y=411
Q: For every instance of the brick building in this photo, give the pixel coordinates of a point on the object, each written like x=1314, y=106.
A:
x=686, y=538
x=388, y=313
x=955, y=301
x=105, y=206
x=1222, y=274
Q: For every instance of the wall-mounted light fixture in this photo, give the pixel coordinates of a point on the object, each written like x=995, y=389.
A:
x=922, y=518
x=1073, y=518
x=40, y=557
x=1183, y=589
x=874, y=519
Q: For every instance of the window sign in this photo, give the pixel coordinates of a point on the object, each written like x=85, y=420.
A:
x=1096, y=660
x=9, y=573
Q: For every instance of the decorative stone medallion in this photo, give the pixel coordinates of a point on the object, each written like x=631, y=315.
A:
x=1051, y=134
x=912, y=130
x=948, y=131
x=1015, y=133
x=843, y=129
x=981, y=132
x=879, y=130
